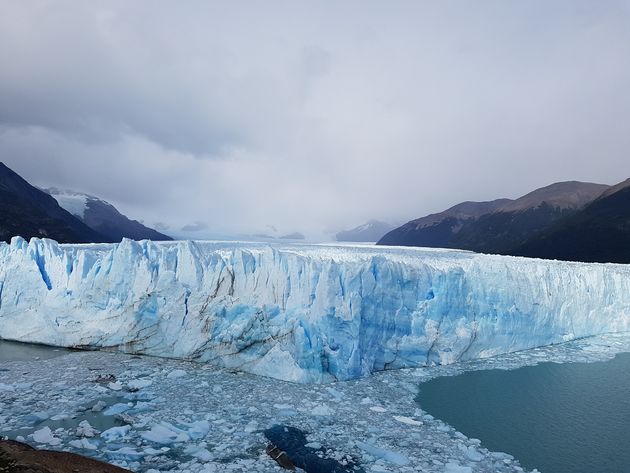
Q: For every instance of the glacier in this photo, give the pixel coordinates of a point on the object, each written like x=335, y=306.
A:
x=301, y=313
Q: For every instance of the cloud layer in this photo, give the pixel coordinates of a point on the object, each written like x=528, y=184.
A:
x=312, y=116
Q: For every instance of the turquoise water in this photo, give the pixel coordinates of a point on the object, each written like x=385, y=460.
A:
x=559, y=418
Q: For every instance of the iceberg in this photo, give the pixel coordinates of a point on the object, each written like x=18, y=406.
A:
x=302, y=313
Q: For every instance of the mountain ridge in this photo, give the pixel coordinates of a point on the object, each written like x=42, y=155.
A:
x=369, y=232
x=598, y=233
x=497, y=226
x=29, y=212
x=103, y=217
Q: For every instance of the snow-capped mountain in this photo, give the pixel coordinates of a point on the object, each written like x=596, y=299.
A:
x=369, y=232
x=103, y=217
x=299, y=312
x=30, y=212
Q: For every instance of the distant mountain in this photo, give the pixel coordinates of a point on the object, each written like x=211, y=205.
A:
x=293, y=236
x=517, y=221
x=369, y=232
x=498, y=226
x=29, y=212
x=440, y=229
x=598, y=233
x=103, y=217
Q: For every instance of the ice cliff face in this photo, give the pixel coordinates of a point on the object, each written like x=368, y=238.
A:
x=298, y=312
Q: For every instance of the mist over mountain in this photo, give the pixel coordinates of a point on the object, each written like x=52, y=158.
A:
x=65, y=216
x=103, y=217
x=29, y=212
x=369, y=232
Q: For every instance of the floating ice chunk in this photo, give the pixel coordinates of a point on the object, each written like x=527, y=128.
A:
x=117, y=386
x=322, y=410
x=60, y=417
x=141, y=406
x=37, y=417
x=45, y=435
x=116, y=433
x=252, y=426
x=456, y=468
x=159, y=434
x=154, y=451
x=198, y=430
x=473, y=454
x=99, y=406
x=86, y=430
x=175, y=374
x=118, y=408
x=338, y=395
x=388, y=455
x=136, y=384
x=283, y=406
x=126, y=453
x=199, y=452
x=378, y=409
x=165, y=434
x=501, y=456
x=84, y=444
x=6, y=387
x=407, y=420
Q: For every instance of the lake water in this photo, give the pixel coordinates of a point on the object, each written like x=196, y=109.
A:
x=559, y=418
x=15, y=351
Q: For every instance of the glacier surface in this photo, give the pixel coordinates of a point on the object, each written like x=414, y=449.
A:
x=304, y=313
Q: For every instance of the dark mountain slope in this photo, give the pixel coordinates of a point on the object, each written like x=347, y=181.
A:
x=29, y=212
x=440, y=229
x=598, y=233
x=519, y=220
x=497, y=226
x=103, y=217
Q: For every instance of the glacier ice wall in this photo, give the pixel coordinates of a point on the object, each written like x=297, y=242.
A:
x=298, y=312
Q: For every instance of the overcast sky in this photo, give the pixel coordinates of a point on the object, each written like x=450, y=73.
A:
x=310, y=116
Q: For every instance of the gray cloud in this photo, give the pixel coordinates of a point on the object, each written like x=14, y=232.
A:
x=195, y=227
x=161, y=226
x=306, y=115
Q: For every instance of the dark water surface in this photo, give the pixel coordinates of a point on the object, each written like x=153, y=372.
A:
x=16, y=351
x=559, y=418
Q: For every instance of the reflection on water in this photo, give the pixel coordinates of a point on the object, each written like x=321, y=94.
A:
x=559, y=418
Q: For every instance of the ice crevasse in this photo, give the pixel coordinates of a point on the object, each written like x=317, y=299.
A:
x=304, y=313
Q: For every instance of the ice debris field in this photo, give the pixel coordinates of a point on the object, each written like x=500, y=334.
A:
x=157, y=415
x=306, y=315
x=302, y=313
